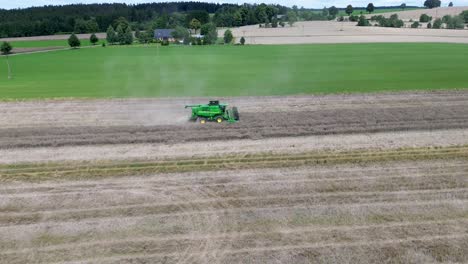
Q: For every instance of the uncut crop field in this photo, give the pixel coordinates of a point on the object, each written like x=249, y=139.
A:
x=216, y=70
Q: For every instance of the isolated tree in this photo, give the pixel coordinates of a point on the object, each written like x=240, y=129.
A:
x=464, y=14
x=210, y=33
x=450, y=4
x=128, y=36
x=349, y=10
x=353, y=18
x=111, y=36
x=93, y=39
x=403, y=6
x=195, y=25
x=73, y=41
x=137, y=33
x=120, y=38
x=242, y=41
x=333, y=11
x=121, y=21
x=6, y=48
x=81, y=26
x=292, y=18
x=415, y=24
x=274, y=22
x=446, y=18
x=228, y=37
x=437, y=23
x=432, y=3
x=146, y=36
x=161, y=21
x=394, y=21
x=180, y=33
x=92, y=26
x=370, y=8
x=363, y=22
x=455, y=22
x=237, y=17
x=424, y=18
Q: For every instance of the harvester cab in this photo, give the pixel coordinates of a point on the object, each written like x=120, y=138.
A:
x=213, y=111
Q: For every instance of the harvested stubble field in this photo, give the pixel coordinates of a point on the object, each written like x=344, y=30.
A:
x=62, y=123
x=300, y=179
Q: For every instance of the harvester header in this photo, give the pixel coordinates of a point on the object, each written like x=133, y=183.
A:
x=213, y=111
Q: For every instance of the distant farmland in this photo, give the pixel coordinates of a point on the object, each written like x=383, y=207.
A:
x=235, y=71
x=357, y=11
x=47, y=43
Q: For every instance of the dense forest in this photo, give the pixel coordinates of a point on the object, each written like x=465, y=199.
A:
x=88, y=18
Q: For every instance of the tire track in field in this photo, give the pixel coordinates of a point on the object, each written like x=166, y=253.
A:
x=207, y=209
x=316, y=172
x=423, y=182
x=305, y=246
x=390, y=212
x=457, y=179
x=213, y=201
x=214, y=235
x=243, y=240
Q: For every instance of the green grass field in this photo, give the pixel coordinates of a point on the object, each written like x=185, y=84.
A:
x=234, y=70
x=46, y=43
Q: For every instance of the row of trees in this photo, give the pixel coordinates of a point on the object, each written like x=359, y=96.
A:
x=234, y=16
x=74, y=41
x=121, y=36
x=451, y=22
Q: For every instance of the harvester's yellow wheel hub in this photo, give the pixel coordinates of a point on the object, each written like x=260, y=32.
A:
x=202, y=121
x=219, y=120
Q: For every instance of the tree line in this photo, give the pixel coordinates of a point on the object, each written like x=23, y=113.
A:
x=91, y=18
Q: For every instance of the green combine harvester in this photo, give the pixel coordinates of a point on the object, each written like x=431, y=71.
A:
x=214, y=111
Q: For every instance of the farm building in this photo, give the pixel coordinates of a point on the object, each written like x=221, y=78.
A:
x=163, y=34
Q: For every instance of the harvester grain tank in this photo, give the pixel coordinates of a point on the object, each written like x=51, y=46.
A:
x=213, y=111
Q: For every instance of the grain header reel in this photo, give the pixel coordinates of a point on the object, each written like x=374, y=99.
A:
x=213, y=111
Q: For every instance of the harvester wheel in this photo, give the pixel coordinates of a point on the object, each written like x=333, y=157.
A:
x=202, y=120
x=235, y=113
x=219, y=119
